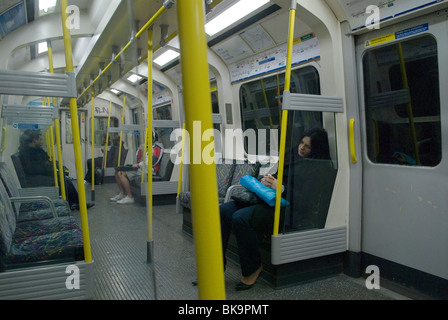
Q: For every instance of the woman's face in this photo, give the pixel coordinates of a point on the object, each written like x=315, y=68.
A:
x=38, y=142
x=305, y=147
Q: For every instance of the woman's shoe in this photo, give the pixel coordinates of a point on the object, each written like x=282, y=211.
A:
x=242, y=286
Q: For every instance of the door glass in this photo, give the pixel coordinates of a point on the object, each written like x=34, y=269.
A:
x=401, y=83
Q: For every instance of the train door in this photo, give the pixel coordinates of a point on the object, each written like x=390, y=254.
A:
x=402, y=75
x=67, y=140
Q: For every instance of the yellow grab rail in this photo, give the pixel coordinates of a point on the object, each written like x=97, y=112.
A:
x=92, y=122
x=121, y=132
x=128, y=45
x=47, y=142
x=181, y=164
x=76, y=139
x=204, y=201
x=53, y=154
x=281, y=160
x=57, y=128
x=352, y=141
x=107, y=136
x=5, y=134
x=148, y=138
x=409, y=110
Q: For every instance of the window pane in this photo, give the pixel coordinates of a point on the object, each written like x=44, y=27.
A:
x=162, y=113
x=403, y=103
x=261, y=103
x=101, y=130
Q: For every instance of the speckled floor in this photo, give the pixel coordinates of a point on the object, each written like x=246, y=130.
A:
x=119, y=248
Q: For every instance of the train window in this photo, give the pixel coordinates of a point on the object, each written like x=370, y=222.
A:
x=402, y=101
x=261, y=101
x=163, y=137
x=162, y=113
x=101, y=130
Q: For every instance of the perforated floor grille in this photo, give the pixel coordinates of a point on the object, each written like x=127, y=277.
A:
x=119, y=246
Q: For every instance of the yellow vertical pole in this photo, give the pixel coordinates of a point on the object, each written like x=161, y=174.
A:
x=198, y=113
x=121, y=132
x=148, y=142
x=107, y=136
x=60, y=161
x=181, y=165
x=57, y=127
x=145, y=149
x=281, y=160
x=92, y=195
x=53, y=154
x=76, y=139
x=149, y=136
x=47, y=142
x=409, y=109
x=266, y=103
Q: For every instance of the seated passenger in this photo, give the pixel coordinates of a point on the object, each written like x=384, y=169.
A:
x=124, y=173
x=39, y=169
x=247, y=221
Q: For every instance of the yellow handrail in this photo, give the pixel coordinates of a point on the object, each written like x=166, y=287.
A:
x=352, y=141
x=144, y=151
x=266, y=103
x=93, y=145
x=47, y=142
x=281, y=161
x=149, y=138
x=107, y=136
x=181, y=165
x=127, y=46
x=204, y=201
x=121, y=132
x=5, y=134
x=76, y=139
x=57, y=128
x=410, y=112
x=53, y=154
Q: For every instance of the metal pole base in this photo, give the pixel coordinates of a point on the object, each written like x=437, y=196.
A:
x=150, y=260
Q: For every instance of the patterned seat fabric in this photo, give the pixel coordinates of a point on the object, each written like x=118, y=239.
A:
x=244, y=169
x=30, y=210
x=60, y=245
x=38, y=240
x=227, y=175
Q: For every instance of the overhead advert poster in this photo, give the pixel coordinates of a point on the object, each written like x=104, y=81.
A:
x=305, y=48
x=366, y=13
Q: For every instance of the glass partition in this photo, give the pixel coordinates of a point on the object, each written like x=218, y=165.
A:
x=310, y=170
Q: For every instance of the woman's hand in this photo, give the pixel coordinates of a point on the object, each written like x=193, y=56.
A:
x=269, y=181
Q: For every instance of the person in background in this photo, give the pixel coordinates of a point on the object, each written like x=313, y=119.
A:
x=240, y=219
x=124, y=174
x=39, y=169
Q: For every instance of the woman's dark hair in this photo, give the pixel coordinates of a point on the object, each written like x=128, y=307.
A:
x=320, y=148
x=27, y=137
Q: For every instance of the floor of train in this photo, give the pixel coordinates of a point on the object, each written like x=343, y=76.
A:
x=119, y=240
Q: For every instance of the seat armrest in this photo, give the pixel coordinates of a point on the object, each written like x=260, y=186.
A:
x=234, y=189
x=51, y=192
x=37, y=198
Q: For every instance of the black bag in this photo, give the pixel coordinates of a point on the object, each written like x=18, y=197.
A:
x=72, y=193
x=246, y=198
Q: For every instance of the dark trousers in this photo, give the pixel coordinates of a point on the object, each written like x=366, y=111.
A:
x=236, y=218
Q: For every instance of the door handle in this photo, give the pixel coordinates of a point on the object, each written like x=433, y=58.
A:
x=352, y=141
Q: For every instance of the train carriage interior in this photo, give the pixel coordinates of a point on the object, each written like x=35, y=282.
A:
x=225, y=90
